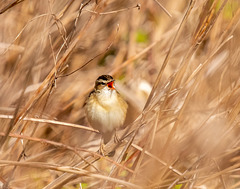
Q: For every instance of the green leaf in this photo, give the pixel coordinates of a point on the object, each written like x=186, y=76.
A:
x=84, y=185
x=178, y=186
x=141, y=36
x=229, y=9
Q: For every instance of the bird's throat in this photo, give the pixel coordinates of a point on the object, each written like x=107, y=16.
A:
x=107, y=98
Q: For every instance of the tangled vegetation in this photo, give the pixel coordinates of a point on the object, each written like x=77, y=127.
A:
x=177, y=65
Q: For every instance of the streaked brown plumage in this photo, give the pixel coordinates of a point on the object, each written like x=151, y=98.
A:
x=105, y=108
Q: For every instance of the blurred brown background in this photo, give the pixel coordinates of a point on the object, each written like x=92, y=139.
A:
x=188, y=134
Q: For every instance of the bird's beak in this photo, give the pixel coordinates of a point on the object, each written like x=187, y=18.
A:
x=110, y=85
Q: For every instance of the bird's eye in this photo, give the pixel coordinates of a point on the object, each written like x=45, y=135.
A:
x=101, y=83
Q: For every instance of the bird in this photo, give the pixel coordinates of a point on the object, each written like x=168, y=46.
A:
x=105, y=108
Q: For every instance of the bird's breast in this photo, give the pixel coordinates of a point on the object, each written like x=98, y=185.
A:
x=107, y=115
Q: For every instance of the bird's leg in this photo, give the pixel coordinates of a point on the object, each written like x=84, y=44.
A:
x=116, y=139
x=101, y=149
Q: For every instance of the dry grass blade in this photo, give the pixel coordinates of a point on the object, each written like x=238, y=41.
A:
x=54, y=122
x=138, y=6
x=191, y=4
x=185, y=70
x=67, y=169
x=50, y=78
x=10, y=5
x=157, y=159
x=163, y=8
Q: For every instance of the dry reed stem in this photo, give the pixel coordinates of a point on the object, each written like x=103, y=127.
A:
x=187, y=133
x=54, y=122
x=191, y=4
x=66, y=169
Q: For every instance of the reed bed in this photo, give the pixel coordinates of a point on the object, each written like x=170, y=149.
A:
x=176, y=63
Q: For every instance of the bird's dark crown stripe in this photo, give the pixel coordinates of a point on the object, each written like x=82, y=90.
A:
x=105, y=77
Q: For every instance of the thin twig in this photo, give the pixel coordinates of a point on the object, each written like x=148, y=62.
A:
x=138, y=6
x=157, y=159
x=190, y=6
x=163, y=8
x=10, y=5
x=33, y=19
x=89, y=61
x=221, y=176
x=77, y=18
x=51, y=76
x=67, y=169
x=52, y=122
x=64, y=146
